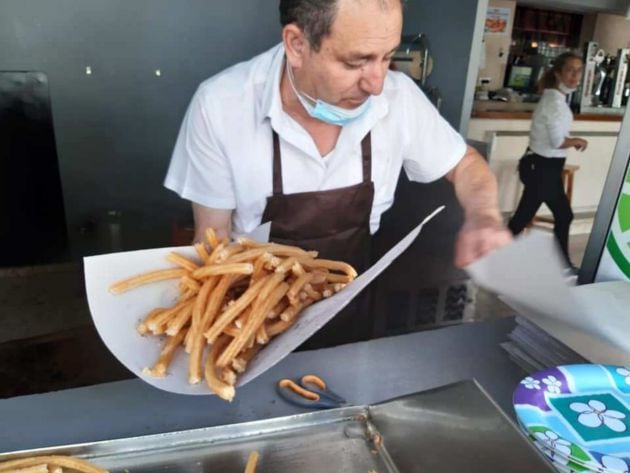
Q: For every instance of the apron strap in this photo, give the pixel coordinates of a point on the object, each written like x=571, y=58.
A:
x=366, y=152
x=277, y=165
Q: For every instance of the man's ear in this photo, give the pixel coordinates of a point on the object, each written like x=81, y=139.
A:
x=295, y=45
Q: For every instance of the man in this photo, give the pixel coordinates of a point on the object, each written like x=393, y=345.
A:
x=312, y=136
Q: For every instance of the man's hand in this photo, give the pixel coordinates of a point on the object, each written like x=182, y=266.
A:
x=478, y=237
x=476, y=189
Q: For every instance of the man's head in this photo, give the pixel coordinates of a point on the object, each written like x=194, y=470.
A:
x=340, y=49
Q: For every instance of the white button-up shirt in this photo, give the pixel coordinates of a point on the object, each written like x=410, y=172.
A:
x=224, y=152
x=551, y=124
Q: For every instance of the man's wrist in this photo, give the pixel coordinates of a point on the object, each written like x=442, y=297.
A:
x=484, y=216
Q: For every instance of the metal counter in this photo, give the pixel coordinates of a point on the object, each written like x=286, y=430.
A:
x=364, y=373
x=446, y=430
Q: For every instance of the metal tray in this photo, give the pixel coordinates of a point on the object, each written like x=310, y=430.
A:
x=450, y=429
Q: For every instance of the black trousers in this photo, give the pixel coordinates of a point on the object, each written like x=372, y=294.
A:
x=542, y=179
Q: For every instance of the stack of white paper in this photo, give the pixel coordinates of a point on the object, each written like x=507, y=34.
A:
x=534, y=350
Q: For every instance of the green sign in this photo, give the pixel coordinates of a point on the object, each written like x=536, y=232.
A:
x=618, y=243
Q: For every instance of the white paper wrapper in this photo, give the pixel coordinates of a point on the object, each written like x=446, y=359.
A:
x=116, y=316
x=591, y=319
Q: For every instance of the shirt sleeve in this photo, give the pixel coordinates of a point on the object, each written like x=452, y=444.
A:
x=432, y=146
x=558, y=124
x=199, y=170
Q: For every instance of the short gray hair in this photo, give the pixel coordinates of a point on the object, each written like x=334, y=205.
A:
x=314, y=17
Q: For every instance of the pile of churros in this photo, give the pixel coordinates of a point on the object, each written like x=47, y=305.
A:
x=49, y=464
x=233, y=300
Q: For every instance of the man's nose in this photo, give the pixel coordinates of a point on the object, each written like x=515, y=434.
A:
x=373, y=78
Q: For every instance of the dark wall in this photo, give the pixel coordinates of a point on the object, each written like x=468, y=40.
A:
x=115, y=128
x=449, y=25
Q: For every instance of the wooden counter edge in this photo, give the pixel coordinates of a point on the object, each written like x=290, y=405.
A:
x=595, y=117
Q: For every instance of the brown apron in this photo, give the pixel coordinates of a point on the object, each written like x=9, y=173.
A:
x=336, y=223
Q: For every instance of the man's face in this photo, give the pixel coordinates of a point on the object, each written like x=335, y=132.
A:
x=353, y=60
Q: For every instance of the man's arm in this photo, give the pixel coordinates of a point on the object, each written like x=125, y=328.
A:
x=476, y=190
x=205, y=217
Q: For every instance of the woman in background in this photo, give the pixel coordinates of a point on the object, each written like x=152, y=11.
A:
x=549, y=142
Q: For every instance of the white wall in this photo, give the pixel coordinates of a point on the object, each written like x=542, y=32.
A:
x=495, y=44
x=612, y=32
x=508, y=141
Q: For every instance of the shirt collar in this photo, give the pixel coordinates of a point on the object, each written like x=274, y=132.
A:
x=271, y=104
x=555, y=92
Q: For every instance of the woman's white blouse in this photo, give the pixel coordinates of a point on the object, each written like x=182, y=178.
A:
x=551, y=124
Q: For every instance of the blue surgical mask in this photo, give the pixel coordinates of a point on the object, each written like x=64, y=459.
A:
x=565, y=89
x=326, y=112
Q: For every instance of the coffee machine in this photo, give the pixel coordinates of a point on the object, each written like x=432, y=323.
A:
x=604, y=79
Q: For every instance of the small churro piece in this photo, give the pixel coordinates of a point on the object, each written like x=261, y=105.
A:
x=286, y=265
x=329, y=264
x=219, y=269
x=228, y=251
x=297, y=269
x=338, y=278
x=312, y=293
x=182, y=261
x=189, y=283
x=218, y=386
x=259, y=267
x=231, y=313
x=262, y=337
x=228, y=376
x=241, y=361
x=296, y=287
x=278, y=309
x=145, y=278
x=232, y=331
x=289, y=384
x=278, y=326
x=142, y=326
x=158, y=324
x=31, y=469
x=202, y=252
x=182, y=318
x=166, y=355
x=291, y=312
x=57, y=460
x=211, y=236
x=252, y=461
x=256, y=319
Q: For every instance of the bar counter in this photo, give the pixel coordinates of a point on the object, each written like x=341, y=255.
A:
x=524, y=115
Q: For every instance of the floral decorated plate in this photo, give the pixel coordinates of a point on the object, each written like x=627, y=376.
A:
x=579, y=416
x=559, y=452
